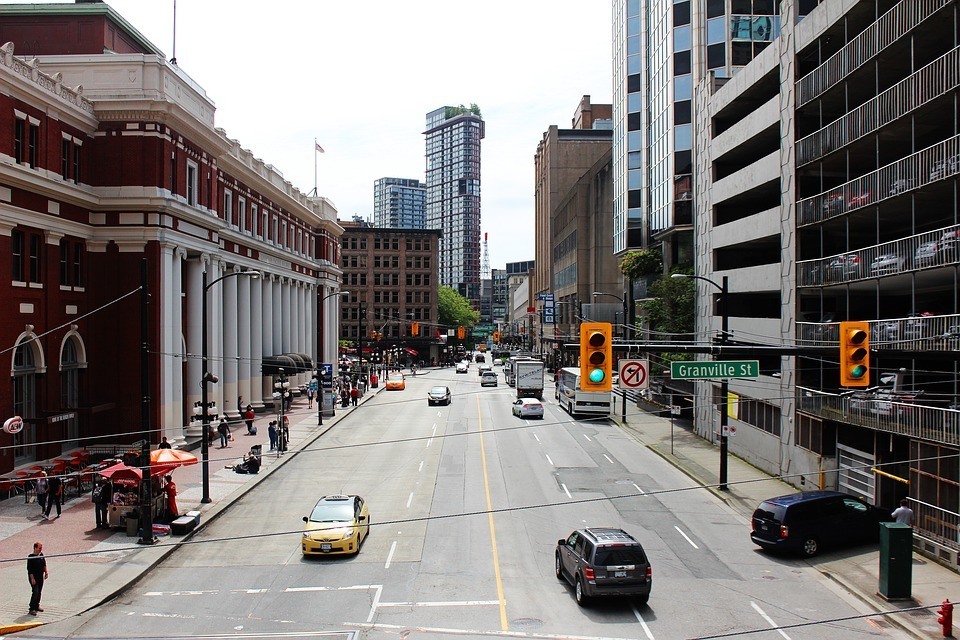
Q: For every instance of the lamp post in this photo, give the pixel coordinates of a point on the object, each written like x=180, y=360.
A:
x=725, y=383
x=622, y=302
x=321, y=394
x=281, y=393
x=209, y=377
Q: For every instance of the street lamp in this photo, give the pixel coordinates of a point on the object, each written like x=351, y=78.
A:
x=622, y=302
x=320, y=391
x=281, y=394
x=209, y=377
x=724, y=383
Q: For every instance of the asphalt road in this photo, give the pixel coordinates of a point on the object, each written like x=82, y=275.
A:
x=438, y=565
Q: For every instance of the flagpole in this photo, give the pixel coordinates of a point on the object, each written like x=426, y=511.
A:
x=315, y=145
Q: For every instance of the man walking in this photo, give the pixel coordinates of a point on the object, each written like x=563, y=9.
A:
x=37, y=573
x=43, y=488
x=54, y=496
x=903, y=514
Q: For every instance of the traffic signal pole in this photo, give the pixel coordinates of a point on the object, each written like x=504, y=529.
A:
x=724, y=389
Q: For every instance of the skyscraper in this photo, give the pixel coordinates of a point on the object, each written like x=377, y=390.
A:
x=453, y=136
x=399, y=203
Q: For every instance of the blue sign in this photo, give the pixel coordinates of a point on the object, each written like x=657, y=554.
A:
x=326, y=375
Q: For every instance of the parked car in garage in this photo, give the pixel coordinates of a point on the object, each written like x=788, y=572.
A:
x=890, y=262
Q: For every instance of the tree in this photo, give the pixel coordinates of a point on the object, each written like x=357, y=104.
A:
x=455, y=310
x=671, y=310
x=644, y=262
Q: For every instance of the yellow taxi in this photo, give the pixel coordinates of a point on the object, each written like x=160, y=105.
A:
x=337, y=525
x=396, y=382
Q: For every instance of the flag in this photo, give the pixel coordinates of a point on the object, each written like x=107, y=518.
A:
x=319, y=148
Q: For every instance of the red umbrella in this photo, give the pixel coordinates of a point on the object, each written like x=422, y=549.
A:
x=166, y=460
x=122, y=474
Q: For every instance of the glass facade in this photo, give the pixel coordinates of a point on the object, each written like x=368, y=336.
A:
x=453, y=138
x=399, y=203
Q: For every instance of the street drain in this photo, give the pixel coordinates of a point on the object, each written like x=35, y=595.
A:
x=526, y=623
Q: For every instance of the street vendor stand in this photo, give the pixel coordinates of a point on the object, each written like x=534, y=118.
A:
x=125, y=505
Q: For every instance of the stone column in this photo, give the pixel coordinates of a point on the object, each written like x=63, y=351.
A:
x=243, y=339
x=215, y=329
x=181, y=415
x=277, y=309
x=194, y=325
x=230, y=350
x=255, y=313
x=285, y=316
x=169, y=306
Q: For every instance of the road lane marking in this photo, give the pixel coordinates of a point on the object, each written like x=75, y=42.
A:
x=587, y=437
x=355, y=587
x=608, y=458
x=493, y=532
x=773, y=624
x=393, y=548
x=537, y=437
x=375, y=603
x=686, y=537
x=549, y=460
x=637, y=488
x=450, y=603
x=643, y=624
x=182, y=593
x=409, y=499
x=481, y=633
x=565, y=491
x=420, y=468
x=250, y=591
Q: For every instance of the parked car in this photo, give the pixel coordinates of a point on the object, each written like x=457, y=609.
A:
x=860, y=199
x=438, y=395
x=528, y=408
x=917, y=326
x=926, y=253
x=949, y=242
x=901, y=186
x=337, y=524
x=488, y=379
x=602, y=562
x=845, y=266
x=833, y=203
x=889, y=262
x=461, y=367
x=809, y=521
x=945, y=167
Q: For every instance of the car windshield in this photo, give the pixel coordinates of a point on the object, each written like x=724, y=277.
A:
x=395, y=377
x=616, y=556
x=438, y=391
x=333, y=512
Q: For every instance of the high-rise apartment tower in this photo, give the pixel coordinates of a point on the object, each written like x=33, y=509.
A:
x=399, y=203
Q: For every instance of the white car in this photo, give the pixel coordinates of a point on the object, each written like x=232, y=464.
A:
x=528, y=408
x=488, y=379
x=484, y=367
x=461, y=367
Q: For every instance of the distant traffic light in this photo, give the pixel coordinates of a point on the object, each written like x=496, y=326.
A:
x=496, y=336
x=855, y=354
x=461, y=333
x=596, y=356
x=415, y=329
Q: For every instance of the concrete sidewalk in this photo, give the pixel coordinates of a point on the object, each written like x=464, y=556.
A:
x=110, y=560
x=856, y=570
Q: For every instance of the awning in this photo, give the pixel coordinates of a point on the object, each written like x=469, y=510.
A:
x=303, y=364
x=412, y=352
x=272, y=365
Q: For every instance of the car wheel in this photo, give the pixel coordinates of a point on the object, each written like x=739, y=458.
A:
x=558, y=566
x=580, y=595
x=810, y=547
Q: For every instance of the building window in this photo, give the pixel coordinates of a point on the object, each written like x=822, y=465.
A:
x=255, y=220
x=242, y=214
x=64, y=263
x=24, y=400
x=17, y=242
x=78, y=251
x=35, y=245
x=191, y=183
x=76, y=162
x=228, y=206
x=19, y=138
x=33, y=150
x=65, y=162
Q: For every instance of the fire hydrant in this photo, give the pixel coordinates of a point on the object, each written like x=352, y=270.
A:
x=946, y=618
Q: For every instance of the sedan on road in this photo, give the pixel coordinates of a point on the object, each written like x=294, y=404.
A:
x=462, y=367
x=438, y=395
x=337, y=525
x=528, y=408
x=396, y=382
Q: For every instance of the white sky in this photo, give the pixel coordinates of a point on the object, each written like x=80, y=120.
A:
x=360, y=77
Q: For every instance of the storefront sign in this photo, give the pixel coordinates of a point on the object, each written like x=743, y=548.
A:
x=13, y=425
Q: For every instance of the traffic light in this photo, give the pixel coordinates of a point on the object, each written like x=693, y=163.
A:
x=415, y=329
x=596, y=356
x=496, y=336
x=461, y=333
x=855, y=354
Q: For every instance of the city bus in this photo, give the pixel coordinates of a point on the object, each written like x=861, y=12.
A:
x=576, y=401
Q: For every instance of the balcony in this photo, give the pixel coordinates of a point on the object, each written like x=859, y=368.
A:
x=937, y=162
x=919, y=332
x=884, y=412
x=922, y=251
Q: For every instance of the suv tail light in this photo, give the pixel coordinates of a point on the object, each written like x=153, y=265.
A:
x=649, y=572
x=589, y=574
x=784, y=531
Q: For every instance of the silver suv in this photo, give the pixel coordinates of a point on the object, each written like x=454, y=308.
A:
x=604, y=562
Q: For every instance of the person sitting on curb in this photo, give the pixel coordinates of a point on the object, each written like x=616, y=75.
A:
x=250, y=464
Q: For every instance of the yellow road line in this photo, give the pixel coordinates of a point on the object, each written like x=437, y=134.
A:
x=493, y=531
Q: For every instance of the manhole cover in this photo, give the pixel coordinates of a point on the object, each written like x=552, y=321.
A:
x=526, y=623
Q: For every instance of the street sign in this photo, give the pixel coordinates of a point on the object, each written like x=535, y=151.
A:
x=326, y=375
x=715, y=370
x=633, y=375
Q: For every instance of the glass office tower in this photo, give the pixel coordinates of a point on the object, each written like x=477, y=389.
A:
x=453, y=136
x=399, y=203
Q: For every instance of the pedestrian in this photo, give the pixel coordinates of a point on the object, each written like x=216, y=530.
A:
x=54, y=496
x=43, y=488
x=272, y=432
x=37, y=573
x=100, y=496
x=164, y=444
x=309, y=398
x=223, y=430
x=354, y=395
x=248, y=416
x=903, y=514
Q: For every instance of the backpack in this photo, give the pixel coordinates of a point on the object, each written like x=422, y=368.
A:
x=97, y=495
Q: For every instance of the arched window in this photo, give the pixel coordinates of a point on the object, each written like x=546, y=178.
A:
x=70, y=366
x=25, y=401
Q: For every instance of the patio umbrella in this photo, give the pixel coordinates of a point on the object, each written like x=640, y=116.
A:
x=166, y=460
x=122, y=474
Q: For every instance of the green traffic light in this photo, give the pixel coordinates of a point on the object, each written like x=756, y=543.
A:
x=858, y=371
x=596, y=376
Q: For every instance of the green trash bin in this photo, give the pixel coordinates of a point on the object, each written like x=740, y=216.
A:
x=896, y=560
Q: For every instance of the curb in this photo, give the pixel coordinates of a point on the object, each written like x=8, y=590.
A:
x=15, y=628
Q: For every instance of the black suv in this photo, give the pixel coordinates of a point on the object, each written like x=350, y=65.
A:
x=808, y=521
x=604, y=562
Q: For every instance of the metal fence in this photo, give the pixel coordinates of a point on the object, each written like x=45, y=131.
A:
x=922, y=332
x=936, y=523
